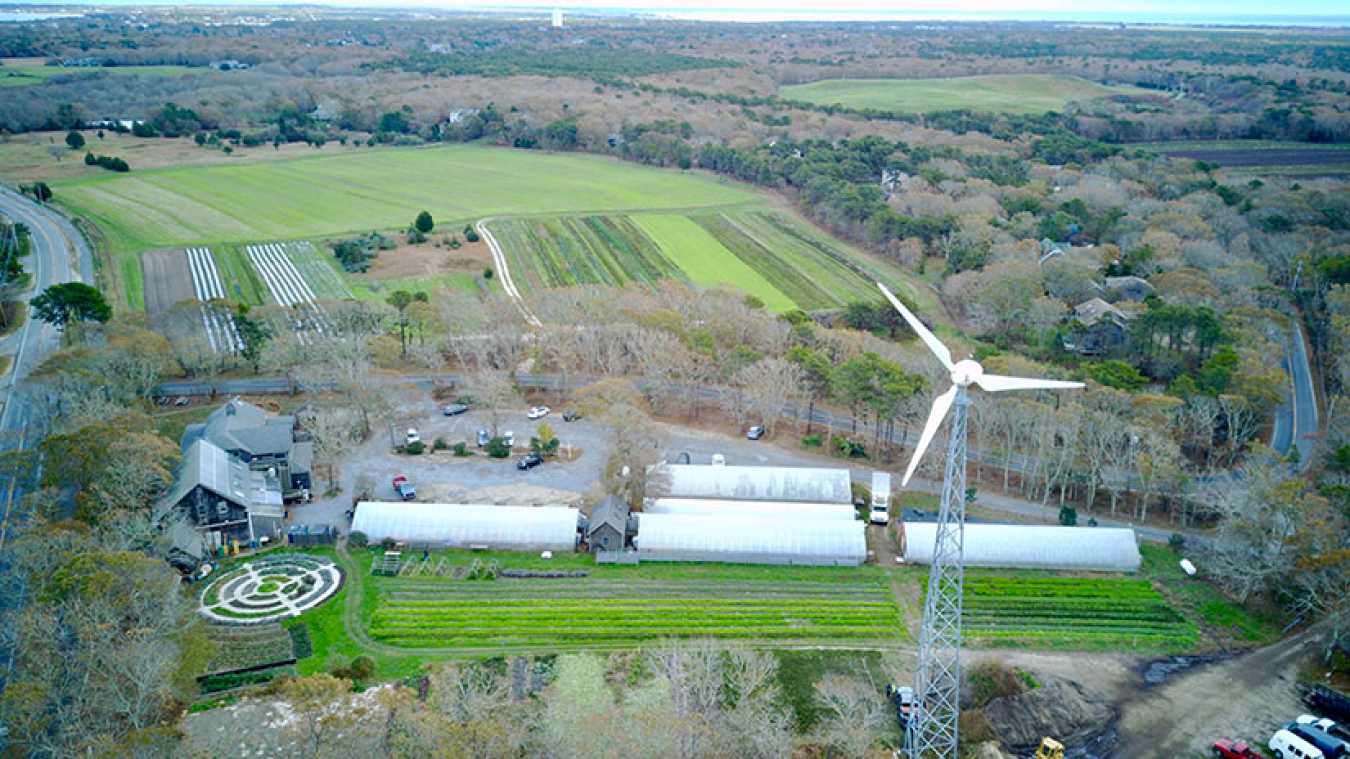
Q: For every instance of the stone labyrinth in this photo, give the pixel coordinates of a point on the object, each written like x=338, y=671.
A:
x=270, y=589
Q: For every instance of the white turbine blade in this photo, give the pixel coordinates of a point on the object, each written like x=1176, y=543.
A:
x=941, y=405
x=929, y=339
x=997, y=384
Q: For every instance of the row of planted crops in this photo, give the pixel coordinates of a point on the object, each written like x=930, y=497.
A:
x=1072, y=611
x=763, y=252
x=587, y=611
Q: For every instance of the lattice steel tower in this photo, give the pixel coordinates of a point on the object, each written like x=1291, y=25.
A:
x=937, y=678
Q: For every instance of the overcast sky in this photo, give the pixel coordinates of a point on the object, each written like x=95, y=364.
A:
x=1019, y=8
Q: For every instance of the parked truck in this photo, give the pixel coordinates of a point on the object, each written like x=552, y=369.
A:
x=881, y=498
x=404, y=489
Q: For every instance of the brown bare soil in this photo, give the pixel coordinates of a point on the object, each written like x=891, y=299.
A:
x=168, y=279
x=428, y=260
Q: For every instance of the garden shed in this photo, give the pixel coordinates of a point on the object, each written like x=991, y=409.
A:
x=453, y=525
x=750, y=540
x=607, y=529
x=1018, y=546
x=759, y=483
x=707, y=507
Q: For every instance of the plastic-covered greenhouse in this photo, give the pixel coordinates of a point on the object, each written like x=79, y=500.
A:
x=1100, y=549
x=705, y=507
x=508, y=528
x=759, y=483
x=750, y=540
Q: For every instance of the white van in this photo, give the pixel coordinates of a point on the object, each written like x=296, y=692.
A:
x=1286, y=745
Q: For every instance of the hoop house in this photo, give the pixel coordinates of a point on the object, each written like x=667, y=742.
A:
x=1016, y=546
x=507, y=528
x=706, y=507
x=750, y=540
x=759, y=483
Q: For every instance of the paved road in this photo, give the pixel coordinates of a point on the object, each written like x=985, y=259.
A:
x=59, y=254
x=1296, y=418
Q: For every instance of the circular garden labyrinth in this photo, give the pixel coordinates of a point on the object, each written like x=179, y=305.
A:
x=269, y=589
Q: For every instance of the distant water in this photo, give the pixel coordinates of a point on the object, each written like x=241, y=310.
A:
x=16, y=17
x=1090, y=17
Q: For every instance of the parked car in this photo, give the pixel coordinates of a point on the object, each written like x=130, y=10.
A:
x=510, y=438
x=412, y=436
x=1325, y=725
x=1286, y=745
x=755, y=432
x=455, y=409
x=483, y=438
x=1330, y=746
x=538, y=412
x=1234, y=750
x=529, y=462
x=570, y=416
x=404, y=489
x=719, y=460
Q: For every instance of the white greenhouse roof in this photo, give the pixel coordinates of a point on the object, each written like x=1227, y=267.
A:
x=759, y=483
x=511, y=528
x=711, y=507
x=750, y=540
x=1103, y=549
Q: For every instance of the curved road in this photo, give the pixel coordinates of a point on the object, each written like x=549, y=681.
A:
x=1296, y=417
x=59, y=254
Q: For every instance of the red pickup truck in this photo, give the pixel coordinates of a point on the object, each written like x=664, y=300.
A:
x=405, y=489
x=1227, y=749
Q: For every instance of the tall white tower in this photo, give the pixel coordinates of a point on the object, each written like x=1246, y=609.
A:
x=557, y=18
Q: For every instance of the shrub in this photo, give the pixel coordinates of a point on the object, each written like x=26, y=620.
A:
x=414, y=448
x=470, y=233
x=848, y=448
x=358, y=539
x=1177, y=542
x=487, y=273
x=74, y=139
x=993, y=679
x=461, y=448
x=497, y=448
x=1068, y=516
x=424, y=223
x=811, y=441
x=439, y=444
x=388, y=544
x=416, y=236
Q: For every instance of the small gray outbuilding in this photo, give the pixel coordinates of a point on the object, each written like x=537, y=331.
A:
x=608, y=526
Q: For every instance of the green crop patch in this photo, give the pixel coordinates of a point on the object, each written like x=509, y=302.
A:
x=1003, y=93
x=1069, y=612
x=417, y=614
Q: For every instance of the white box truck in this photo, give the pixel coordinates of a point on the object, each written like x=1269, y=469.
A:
x=881, y=498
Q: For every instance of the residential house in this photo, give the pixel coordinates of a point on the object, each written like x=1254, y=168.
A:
x=263, y=443
x=1098, y=327
x=608, y=526
x=1130, y=288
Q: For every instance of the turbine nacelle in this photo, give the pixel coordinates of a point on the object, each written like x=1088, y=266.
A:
x=963, y=374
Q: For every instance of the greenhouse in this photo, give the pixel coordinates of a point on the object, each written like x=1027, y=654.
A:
x=1017, y=546
x=506, y=528
x=759, y=483
x=706, y=507
x=750, y=540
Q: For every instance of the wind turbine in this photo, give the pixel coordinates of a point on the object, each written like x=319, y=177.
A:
x=937, y=677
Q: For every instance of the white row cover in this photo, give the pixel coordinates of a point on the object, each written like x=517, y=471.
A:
x=708, y=507
x=1018, y=546
x=750, y=540
x=759, y=483
x=509, y=528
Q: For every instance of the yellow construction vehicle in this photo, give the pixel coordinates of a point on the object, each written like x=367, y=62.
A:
x=1050, y=749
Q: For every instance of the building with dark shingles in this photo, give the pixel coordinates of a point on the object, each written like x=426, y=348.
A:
x=608, y=526
x=224, y=499
x=263, y=443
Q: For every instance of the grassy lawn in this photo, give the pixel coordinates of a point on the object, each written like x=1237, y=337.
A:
x=1010, y=93
x=242, y=281
x=1241, y=625
x=380, y=289
x=705, y=260
x=18, y=74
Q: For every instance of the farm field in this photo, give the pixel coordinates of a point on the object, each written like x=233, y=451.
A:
x=1007, y=93
x=18, y=72
x=1261, y=156
x=758, y=251
x=1072, y=613
x=597, y=611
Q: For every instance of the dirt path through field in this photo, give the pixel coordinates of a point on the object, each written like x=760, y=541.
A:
x=1245, y=697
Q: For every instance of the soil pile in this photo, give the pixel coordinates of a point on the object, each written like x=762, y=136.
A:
x=1059, y=708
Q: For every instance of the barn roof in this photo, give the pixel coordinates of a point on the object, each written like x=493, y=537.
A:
x=611, y=510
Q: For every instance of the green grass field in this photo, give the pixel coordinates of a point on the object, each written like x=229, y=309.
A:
x=15, y=75
x=1008, y=93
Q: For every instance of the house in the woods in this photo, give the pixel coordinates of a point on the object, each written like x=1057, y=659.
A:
x=1097, y=327
x=271, y=444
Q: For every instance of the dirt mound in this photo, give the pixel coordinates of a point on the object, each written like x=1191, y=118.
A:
x=1059, y=708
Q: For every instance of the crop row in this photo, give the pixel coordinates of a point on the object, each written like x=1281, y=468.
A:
x=590, y=250
x=778, y=270
x=635, y=613
x=249, y=646
x=517, y=636
x=1041, y=588
x=677, y=604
